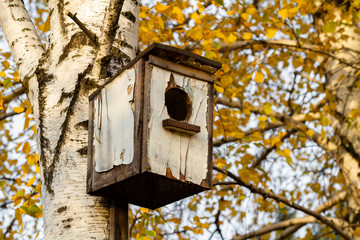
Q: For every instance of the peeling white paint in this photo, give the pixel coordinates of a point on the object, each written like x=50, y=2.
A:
x=114, y=123
x=183, y=154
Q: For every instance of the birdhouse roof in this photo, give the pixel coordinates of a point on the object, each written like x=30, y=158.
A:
x=172, y=54
x=181, y=56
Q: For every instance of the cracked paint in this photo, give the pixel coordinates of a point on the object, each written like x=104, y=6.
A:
x=114, y=123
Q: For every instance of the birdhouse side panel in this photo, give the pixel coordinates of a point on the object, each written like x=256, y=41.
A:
x=172, y=153
x=113, y=123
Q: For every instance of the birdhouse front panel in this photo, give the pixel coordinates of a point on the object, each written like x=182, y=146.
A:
x=173, y=152
x=150, y=129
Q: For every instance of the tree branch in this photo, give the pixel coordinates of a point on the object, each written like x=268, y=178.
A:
x=287, y=223
x=111, y=19
x=6, y=115
x=268, y=126
x=91, y=35
x=25, y=44
x=294, y=122
x=15, y=93
x=269, y=194
x=242, y=44
x=269, y=150
x=335, y=200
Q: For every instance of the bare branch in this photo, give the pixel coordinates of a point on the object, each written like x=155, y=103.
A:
x=335, y=200
x=15, y=93
x=269, y=150
x=6, y=115
x=270, y=194
x=91, y=35
x=287, y=223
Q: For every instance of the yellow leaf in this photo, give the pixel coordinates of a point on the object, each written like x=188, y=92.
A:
x=251, y=10
x=267, y=108
x=219, y=34
x=25, y=168
x=19, y=109
x=245, y=16
x=37, y=169
x=194, y=16
x=34, y=129
x=270, y=33
x=45, y=27
x=16, y=76
x=259, y=77
x=247, y=36
x=286, y=152
x=1, y=104
x=2, y=74
x=201, y=8
x=32, y=159
x=357, y=232
x=6, y=54
x=232, y=38
x=310, y=133
x=177, y=14
x=144, y=210
x=31, y=181
x=26, y=148
x=144, y=12
x=161, y=7
x=196, y=34
x=262, y=118
x=226, y=80
x=218, y=88
x=6, y=64
x=283, y=13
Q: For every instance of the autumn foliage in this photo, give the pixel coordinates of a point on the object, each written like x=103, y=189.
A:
x=283, y=122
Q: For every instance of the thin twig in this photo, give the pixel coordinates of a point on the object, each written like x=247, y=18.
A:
x=269, y=150
x=91, y=35
x=6, y=115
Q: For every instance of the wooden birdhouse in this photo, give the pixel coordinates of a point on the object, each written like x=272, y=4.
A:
x=150, y=129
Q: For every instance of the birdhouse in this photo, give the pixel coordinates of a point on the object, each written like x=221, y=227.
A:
x=150, y=129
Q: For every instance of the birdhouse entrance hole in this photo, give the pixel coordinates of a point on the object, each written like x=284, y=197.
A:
x=178, y=104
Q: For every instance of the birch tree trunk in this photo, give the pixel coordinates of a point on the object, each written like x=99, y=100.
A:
x=58, y=82
x=343, y=83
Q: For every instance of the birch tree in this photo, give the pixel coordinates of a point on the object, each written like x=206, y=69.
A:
x=57, y=82
x=286, y=141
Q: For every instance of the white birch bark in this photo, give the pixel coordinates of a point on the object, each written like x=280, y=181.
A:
x=59, y=84
x=342, y=82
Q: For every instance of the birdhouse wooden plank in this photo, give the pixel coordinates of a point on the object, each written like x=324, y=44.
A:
x=150, y=129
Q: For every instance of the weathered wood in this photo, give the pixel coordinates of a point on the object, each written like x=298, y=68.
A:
x=90, y=169
x=180, y=126
x=209, y=126
x=96, y=180
x=114, y=123
x=178, y=150
x=178, y=68
x=172, y=54
x=119, y=220
x=167, y=164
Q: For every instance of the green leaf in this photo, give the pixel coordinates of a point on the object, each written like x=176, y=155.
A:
x=34, y=209
x=219, y=2
x=267, y=108
x=150, y=233
x=25, y=209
